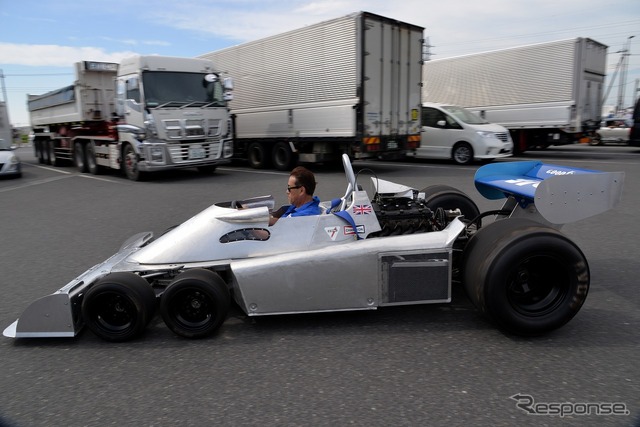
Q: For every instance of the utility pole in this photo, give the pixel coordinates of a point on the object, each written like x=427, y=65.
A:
x=624, y=64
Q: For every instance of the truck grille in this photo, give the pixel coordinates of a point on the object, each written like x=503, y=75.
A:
x=191, y=128
x=181, y=152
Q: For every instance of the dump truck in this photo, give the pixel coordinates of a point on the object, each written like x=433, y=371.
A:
x=348, y=85
x=145, y=114
x=545, y=94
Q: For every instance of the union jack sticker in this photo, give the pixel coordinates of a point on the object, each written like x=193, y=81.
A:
x=362, y=209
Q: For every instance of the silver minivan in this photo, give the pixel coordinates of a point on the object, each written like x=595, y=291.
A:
x=452, y=132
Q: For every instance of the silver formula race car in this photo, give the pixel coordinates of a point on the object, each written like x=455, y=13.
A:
x=403, y=246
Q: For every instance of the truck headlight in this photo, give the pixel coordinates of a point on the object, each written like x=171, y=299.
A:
x=157, y=154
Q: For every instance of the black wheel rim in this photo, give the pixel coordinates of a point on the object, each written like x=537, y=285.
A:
x=192, y=309
x=538, y=285
x=113, y=313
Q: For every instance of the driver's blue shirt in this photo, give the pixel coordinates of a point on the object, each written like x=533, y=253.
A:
x=309, y=208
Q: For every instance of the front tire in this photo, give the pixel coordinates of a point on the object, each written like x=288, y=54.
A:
x=119, y=306
x=447, y=198
x=195, y=304
x=130, y=160
x=527, y=278
x=462, y=153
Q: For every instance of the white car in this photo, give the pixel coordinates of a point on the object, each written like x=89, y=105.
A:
x=9, y=162
x=612, y=130
x=452, y=132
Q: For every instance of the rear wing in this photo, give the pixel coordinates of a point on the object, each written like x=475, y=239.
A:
x=560, y=194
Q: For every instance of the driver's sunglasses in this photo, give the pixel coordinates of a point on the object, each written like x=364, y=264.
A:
x=291, y=188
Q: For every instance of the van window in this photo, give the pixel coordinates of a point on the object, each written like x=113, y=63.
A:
x=431, y=117
x=465, y=115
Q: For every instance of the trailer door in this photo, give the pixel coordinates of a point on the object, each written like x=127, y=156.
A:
x=391, y=78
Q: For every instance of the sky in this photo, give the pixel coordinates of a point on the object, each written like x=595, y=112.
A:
x=41, y=39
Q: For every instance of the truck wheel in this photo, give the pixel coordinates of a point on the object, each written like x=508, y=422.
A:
x=79, y=157
x=53, y=159
x=283, y=157
x=446, y=197
x=119, y=306
x=595, y=140
x=258, y=156
x=462, y=153
x=46, y=152
x=40, y=151
x=526, y=277
x=130, y=160
x=90, y=157
x=195, y=304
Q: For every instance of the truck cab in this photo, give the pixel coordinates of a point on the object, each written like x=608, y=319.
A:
x=172, y=113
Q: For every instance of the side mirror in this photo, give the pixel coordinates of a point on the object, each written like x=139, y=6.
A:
x=441, y=123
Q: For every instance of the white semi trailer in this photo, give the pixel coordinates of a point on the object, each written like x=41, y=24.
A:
x=349, y=85
x=545, y=94
x=145, y=114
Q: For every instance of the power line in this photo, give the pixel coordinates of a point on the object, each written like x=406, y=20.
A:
x=38, y=74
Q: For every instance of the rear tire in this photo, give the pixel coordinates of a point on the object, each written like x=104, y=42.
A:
x=195, y=304
x=46, y=152
x=53, y=159
x=258, y=155
x=90, y=157
x=283, y=157
x=596, y=140
x=527, y=278
x=119, y=306
x=39, y=151
x=79, y=157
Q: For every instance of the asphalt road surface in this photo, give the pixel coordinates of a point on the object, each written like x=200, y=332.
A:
x=433, y=365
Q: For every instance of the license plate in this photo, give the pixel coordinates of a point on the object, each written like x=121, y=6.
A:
x=197, y=152
x=392, y=145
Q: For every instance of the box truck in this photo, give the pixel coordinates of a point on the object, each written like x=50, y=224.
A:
x=545, y=94
x=348, y=85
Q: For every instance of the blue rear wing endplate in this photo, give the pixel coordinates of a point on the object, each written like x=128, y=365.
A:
x=561, y=194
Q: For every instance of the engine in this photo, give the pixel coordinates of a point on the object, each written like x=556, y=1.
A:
x=404, y=215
